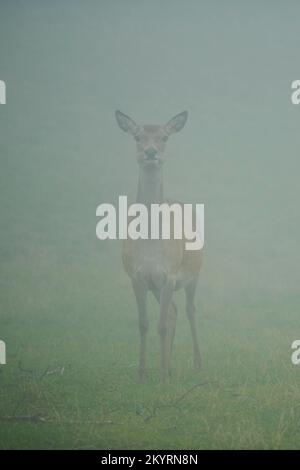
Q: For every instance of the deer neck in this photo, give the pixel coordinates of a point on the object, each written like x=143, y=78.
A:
x=150, y=186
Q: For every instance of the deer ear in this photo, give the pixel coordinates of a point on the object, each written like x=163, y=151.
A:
x=126, y=123
x=176, y=123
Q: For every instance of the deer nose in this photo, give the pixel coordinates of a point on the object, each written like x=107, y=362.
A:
x=151, y=152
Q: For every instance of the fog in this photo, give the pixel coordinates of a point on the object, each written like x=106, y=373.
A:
x=69, y=65
x=67, y=68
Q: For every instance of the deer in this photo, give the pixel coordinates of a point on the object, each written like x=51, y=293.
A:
x=159, y=266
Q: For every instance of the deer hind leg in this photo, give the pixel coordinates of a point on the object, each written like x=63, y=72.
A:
x=141, y=297
x=172, y=317
x=166, y=294
x=190, y=290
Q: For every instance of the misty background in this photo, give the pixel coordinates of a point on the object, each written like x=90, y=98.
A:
x=69, y=65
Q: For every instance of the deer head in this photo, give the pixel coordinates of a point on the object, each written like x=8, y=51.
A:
x=151, y=139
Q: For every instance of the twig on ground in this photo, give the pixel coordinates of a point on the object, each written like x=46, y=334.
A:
x=187, y=392
x=42, y=419
x=40, y=375
x=31, y=418
x=175, y=402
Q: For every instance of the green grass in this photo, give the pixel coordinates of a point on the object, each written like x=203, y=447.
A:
x=80, y=315
x=65, y=301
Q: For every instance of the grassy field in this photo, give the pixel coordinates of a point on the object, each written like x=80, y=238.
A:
x=70, y=381
x=67, y=312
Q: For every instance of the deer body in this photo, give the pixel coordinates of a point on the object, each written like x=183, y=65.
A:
x=159, y=266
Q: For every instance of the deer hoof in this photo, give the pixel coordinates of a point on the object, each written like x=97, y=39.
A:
x=143, y=376
x=197, y=363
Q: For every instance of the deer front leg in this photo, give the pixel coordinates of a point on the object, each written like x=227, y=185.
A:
x=190, y=310
x=165, y=346
x=141, y=297
x=172, y=317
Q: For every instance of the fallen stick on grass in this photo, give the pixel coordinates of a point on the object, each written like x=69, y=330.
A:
x=174, y=403
x=43, y=419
